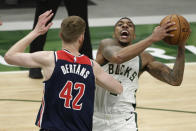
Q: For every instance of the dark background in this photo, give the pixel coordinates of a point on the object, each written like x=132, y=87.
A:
x=10, y=4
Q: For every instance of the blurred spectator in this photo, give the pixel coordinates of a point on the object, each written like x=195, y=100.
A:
x=74, y=7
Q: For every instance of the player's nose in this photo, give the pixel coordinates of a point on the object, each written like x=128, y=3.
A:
x=124, y=26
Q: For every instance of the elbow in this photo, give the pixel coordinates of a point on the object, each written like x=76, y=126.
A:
x=177, y=82
x=8, y=58
x=116, y=59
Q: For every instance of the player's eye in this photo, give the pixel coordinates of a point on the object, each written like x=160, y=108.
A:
x=120, y=24
x=130, y=25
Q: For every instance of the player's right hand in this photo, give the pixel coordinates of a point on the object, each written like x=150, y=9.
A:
x=42, y=25
x=160, y=32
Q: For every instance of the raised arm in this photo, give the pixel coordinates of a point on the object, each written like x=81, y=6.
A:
x=164, y=73
x=117, y=54
x=106, y=81
x=16, y=56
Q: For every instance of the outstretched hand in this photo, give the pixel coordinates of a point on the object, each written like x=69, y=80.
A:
x=160, y=32
x=42, y=25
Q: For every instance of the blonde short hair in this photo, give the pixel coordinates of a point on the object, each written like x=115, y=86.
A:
x=71, y=28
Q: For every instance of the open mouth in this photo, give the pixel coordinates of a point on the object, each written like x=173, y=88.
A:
x=124, y=34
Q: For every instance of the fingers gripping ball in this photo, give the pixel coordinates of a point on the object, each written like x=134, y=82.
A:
x=181, y=34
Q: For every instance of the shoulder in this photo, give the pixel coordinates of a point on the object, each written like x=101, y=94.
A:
x=45, y=52
x=42, y=54
x=107, y=42
x=46, y=56
x=109, y=45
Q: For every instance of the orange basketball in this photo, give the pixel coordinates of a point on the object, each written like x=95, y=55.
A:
x=183, y=29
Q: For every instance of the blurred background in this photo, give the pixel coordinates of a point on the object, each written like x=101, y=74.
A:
x=18, y=15
x=160, y=107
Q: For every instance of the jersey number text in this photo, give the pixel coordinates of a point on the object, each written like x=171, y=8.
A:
x=66, y=93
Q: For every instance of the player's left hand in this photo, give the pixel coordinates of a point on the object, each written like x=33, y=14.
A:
x=183, y=43
x=42, y=25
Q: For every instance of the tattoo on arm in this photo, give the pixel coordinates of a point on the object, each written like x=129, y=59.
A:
x=164, y=73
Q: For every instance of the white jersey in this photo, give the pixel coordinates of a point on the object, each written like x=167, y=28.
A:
x=127, y=74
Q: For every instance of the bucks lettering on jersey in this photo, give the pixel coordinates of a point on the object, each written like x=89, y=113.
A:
x=127, y=74
x=122, y=69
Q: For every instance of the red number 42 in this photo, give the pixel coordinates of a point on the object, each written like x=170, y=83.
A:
x=66, y=93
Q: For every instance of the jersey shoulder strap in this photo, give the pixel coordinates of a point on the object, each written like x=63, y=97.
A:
x=67, y=56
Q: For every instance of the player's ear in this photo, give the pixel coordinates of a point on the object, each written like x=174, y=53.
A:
x=81, y=38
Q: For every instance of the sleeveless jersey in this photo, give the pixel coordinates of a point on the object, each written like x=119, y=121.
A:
x=68, y=100
x=127, y=74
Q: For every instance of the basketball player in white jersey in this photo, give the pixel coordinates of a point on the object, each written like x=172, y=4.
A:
x=126, y=62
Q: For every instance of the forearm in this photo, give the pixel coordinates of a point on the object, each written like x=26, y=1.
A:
x=178, y=69
x=131, y=51
x=106, y=81
x=166, y=74
x=22, y=44
x=158, y=34
x=110, y=84
x=15, y=55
